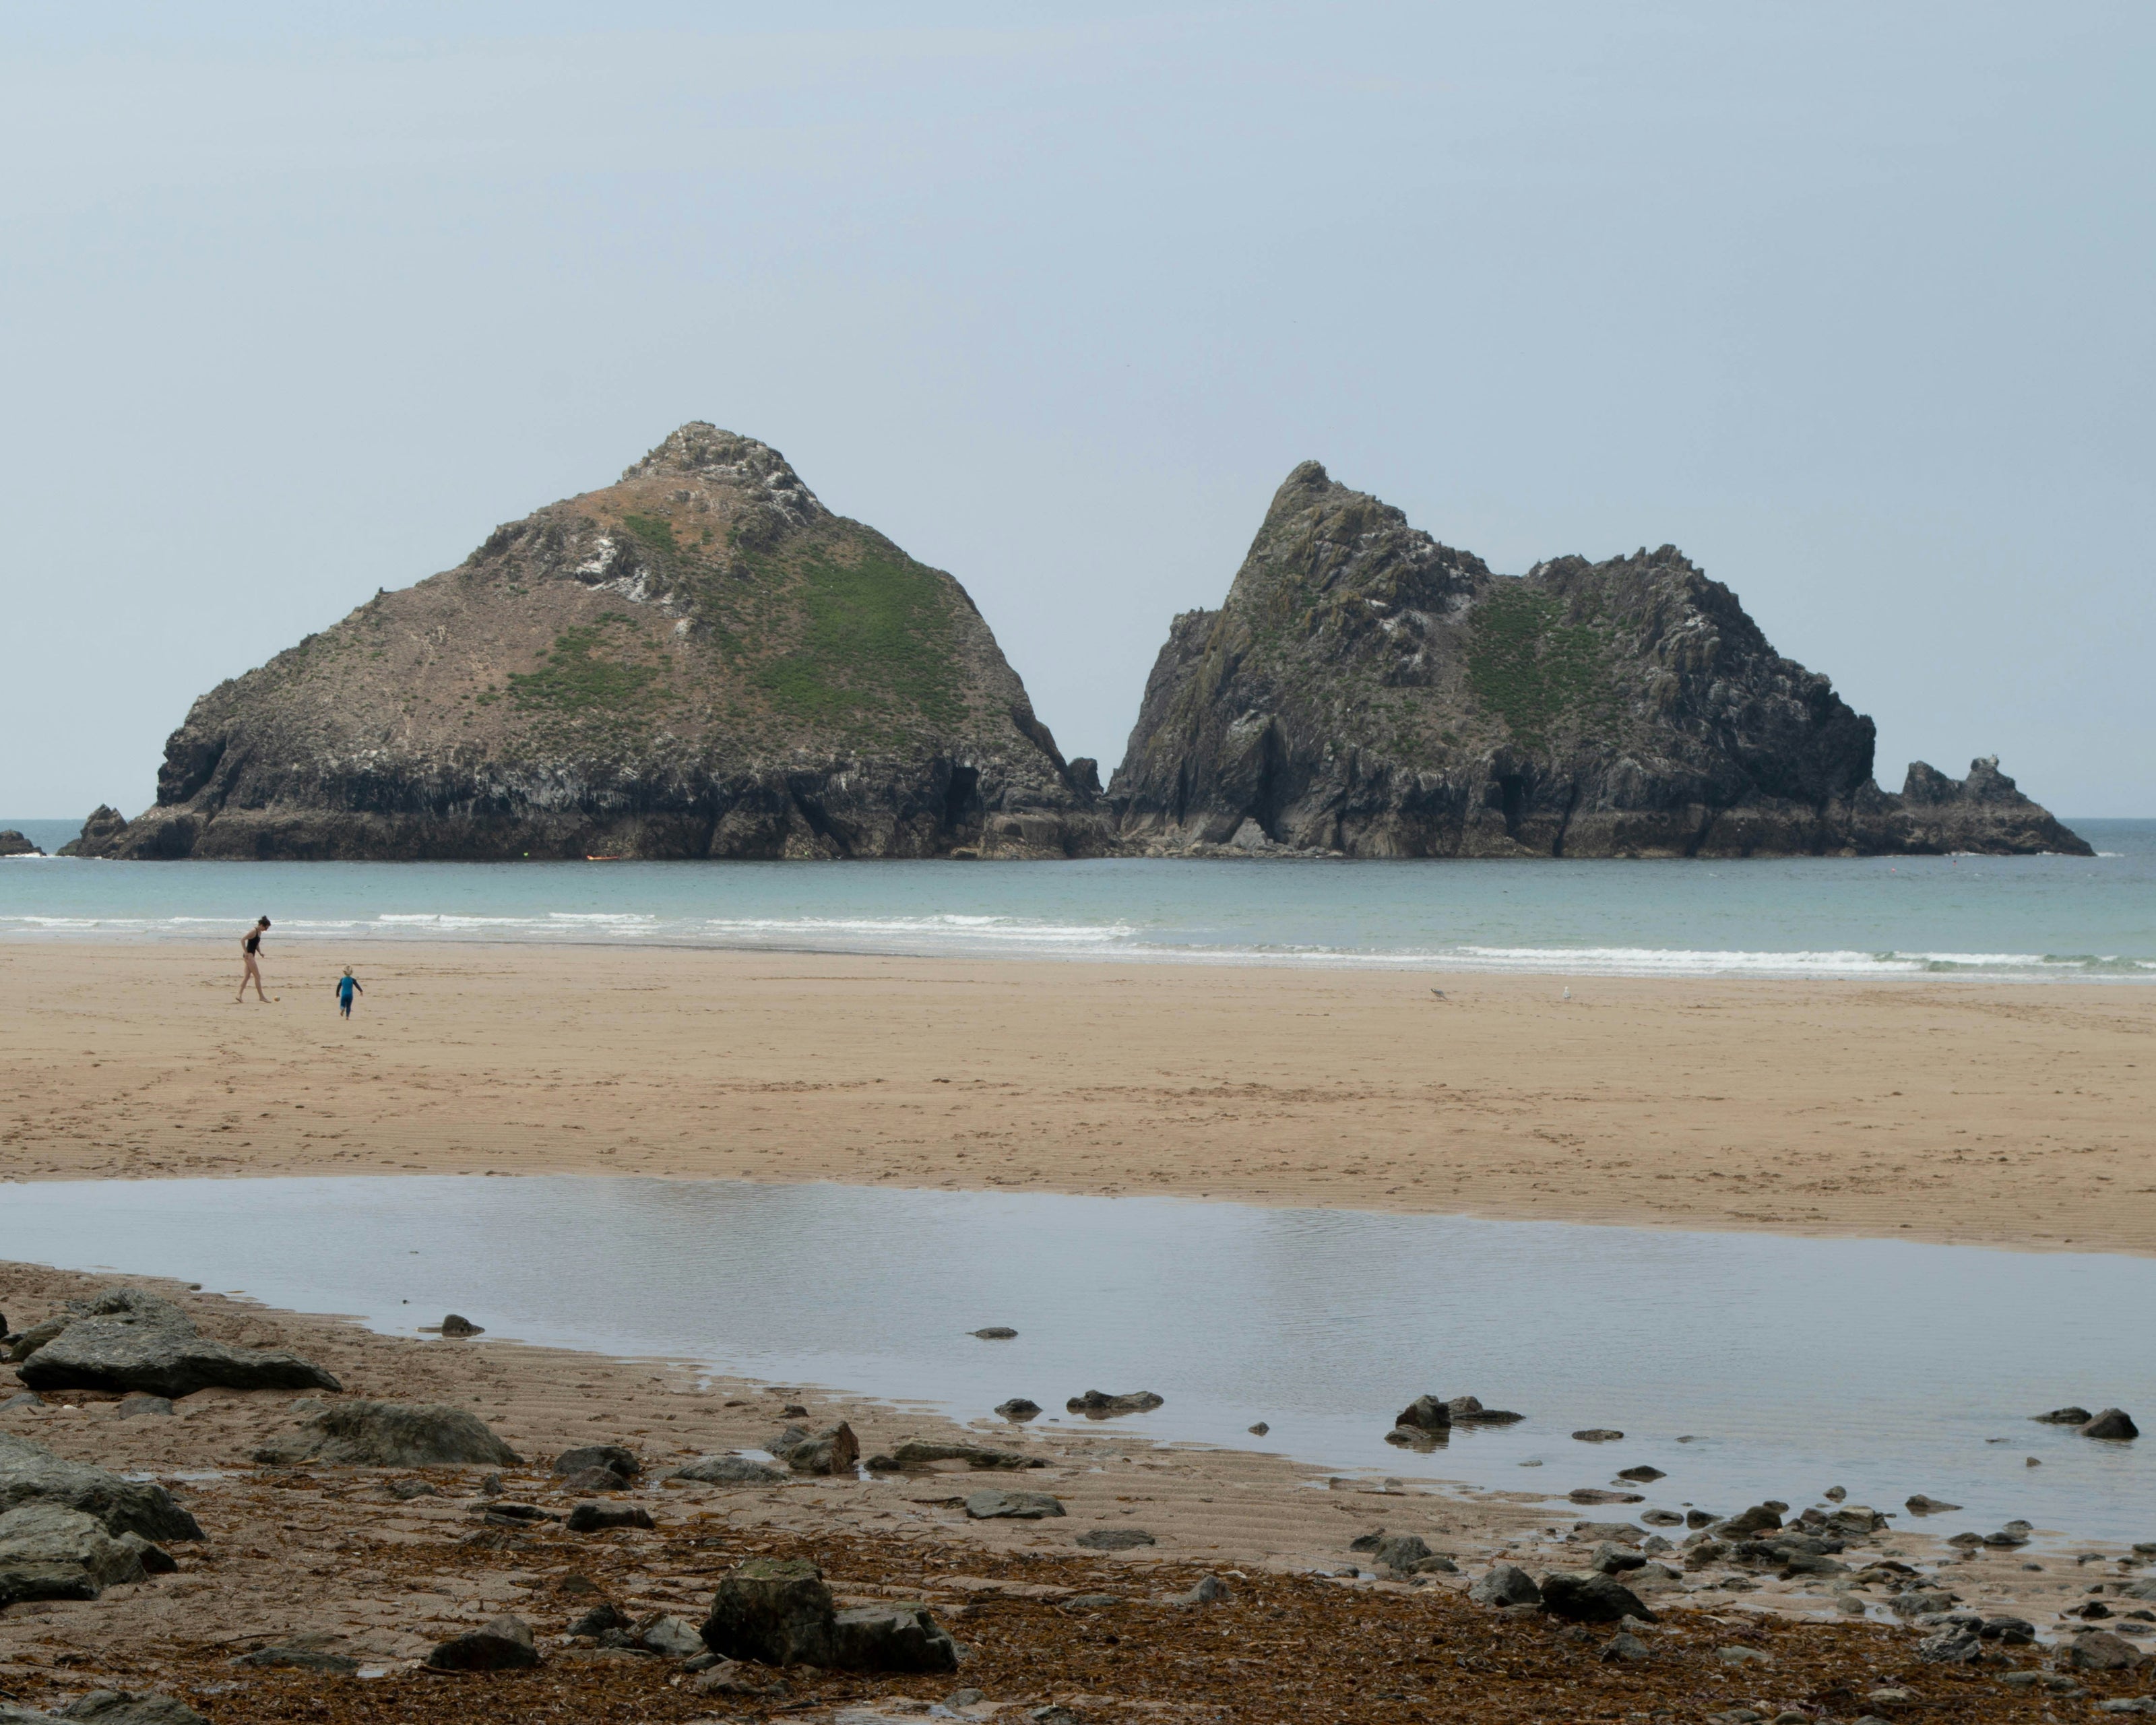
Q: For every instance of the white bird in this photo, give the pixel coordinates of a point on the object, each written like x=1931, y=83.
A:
x=1567, y=993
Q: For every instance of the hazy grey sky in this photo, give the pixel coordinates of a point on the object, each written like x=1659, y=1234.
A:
x=1852, y=302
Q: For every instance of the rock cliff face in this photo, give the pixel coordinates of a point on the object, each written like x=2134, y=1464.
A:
x=1367, y=691
x=701, y=660
x=14, y=844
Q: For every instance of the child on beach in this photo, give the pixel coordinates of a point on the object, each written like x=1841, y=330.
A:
x=347, y=986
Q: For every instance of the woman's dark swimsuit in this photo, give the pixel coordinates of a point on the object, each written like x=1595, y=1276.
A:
x=251, y=945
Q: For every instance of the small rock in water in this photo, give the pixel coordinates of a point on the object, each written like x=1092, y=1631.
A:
x=1597, y=1435
x=1588, y=1494
x=1641, y=1474
x=456, y=1325
x=1018, y=1407
x=2112, y=1423
x=1921, y=1505
x=2064, y=1416
x=1835, y=1494
x=997, y=1333
x=1098, y=1405
x=1467, y=1410
x=1661, y=1518
x=1259, y=1429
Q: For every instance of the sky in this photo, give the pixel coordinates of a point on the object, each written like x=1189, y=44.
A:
x=1852, y=303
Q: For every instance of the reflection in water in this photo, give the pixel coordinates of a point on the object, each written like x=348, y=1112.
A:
x=1744, y=1366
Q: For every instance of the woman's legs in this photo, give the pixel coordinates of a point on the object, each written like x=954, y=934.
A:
x=255, y=971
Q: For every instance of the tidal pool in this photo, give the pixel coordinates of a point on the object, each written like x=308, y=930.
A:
x=1744, y=1365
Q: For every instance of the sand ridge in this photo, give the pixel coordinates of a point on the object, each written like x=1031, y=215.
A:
x=1949, y=1111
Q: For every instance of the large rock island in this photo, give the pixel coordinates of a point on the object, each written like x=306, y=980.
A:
x=1367, y=691
x=701, y=660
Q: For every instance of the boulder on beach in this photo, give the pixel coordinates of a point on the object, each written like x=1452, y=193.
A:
x=598, y=1518
x=124, y=1338
x=1760, y=1518
x=47, y=1551
x=833, y=1450
x=394, y=1435
x=605, y=1458
x=1504, y=1584
x=1098, y=1405
x=779, y=1611
x=502, y=1644
x=30, y=1473
x=728, y=1470
x=1591, y=1597
x=113, y=1707
x=918, y=1453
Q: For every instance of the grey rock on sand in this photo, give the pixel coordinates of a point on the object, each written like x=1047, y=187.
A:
x=1591, y=1597
x=115, y=1707
x=1097, y=1405
x=393, y=1435
x=2113, y=1423
x=779, y=1612
x=1504, y=1584
x=728, y=1470
x=30, y=1473
x=1625, y=1645
x=2101, y=1651
x=1209, y=1591
x=502, y=1644
x=50, y=1552
x=303, y=1655
x=134, y=1407
x=1115, y=1539
x=1011, y=1506
x=1760, y=1518
x=124, y=1338
x=26, y=1398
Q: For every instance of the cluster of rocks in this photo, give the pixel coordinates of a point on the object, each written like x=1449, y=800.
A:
x=1427, y=1420
x=2114, y=1424
x=69, y=1530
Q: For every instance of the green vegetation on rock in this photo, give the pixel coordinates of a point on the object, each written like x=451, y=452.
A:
x=573, y=681
x=876, y=641
x=1533, y=670
x=655, y=532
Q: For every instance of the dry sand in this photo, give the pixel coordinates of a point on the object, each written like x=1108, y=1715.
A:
x=327, y=1555
x=1943, y=1111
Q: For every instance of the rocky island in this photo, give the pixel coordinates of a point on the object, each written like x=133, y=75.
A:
x=1367, y=691
x=700, y=660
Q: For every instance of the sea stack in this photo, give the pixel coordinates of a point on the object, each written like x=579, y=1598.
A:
x=700, y=660
x=1365, y=690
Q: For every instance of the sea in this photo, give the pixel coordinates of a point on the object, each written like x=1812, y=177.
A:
x=2038, y=918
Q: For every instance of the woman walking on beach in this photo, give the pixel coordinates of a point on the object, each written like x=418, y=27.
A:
x=250, y=944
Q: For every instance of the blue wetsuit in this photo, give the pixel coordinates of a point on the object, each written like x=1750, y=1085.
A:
x=345, y=988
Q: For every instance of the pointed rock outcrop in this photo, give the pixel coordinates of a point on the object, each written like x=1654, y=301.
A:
x=1367, y=691
x=701, y=660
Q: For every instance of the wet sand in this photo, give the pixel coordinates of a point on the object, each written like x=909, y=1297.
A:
x=1965, y=1112
x=326, y=1555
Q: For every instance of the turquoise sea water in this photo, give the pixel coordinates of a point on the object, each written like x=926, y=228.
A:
x=2047, y=917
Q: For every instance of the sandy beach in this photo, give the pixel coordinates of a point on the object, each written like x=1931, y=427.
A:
x=1939, y=1111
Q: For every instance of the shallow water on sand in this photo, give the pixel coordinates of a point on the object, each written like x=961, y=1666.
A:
x=2035, y=917
x=1745, y=1366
